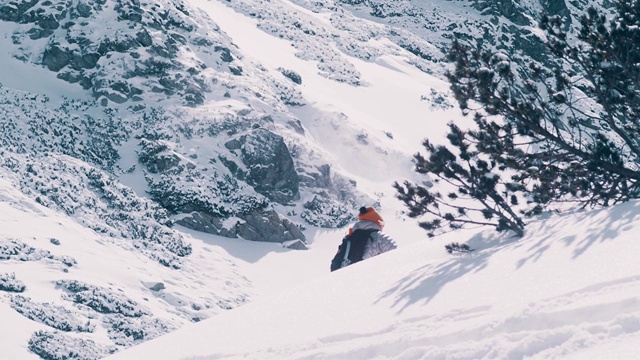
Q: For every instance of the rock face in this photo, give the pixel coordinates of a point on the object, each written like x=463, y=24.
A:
x=210, y=224
x=270, y=168
x=259, y=225
x=120, y=60
x=268, y=226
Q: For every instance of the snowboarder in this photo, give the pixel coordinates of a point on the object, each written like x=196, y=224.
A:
x=365, y=240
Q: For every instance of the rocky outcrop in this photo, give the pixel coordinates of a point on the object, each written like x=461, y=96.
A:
x=268, y=226
x=210, y=224
x=259, y=225
x=117, y=58
x=295, y=245
x=270, y=168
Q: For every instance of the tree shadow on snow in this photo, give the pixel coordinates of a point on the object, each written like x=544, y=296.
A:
x=578, y=231
x=423, y=284
x=581, y=230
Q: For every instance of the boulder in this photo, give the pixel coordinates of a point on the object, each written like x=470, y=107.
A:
x=207, y=223
x=157, y=287
x=295, y=245
x=259, y=225
x=266, y=225
x=270, y=166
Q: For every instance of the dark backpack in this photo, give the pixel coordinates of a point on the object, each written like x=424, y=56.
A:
x=351, y=249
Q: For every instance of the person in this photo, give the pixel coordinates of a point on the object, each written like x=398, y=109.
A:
x=364, y=240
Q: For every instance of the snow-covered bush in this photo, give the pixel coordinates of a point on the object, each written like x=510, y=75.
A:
x=53, y=345
x=32, y=123
x=127, y=332
x=8, y=282
x=325, y=212
x=17, y=250
x=291, y=75
x=49, y=314
x=102, y=300
x=100, y=202
x=454, y=246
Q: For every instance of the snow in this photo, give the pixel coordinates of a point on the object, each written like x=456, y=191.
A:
x=568, y=289
x=569, y=286
x=345, y=109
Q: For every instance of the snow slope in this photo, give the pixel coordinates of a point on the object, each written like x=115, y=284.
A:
x=220, y=273
x=568, y=289
x=42, y=248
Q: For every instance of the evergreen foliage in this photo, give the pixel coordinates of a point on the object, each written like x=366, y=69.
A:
x=8, y=282
x=51, y=315
x=102, y=300
x=454, y=246
x=127, y=331
x=54, y=345
x=565, y=132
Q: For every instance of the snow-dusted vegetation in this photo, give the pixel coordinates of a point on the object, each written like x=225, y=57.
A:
x=16, y=249
x=51, y=315
x=143, y=143
x=55, y=345
x=8, y=282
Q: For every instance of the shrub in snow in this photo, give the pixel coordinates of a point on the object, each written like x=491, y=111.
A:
x=546, y=134
x=292, y=75
x=137, y=219
x=100, y=299
x=128, y=332
x=8, y=282
x=439, y=101
x=17, y=250
x=49, y=314
x=325, y=212
x=53, y=345
x=457, y=247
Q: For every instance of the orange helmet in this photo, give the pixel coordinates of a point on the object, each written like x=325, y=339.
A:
x=370, y=214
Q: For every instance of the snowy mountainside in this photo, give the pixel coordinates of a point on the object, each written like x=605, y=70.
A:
x=567, y=289
x=82, y=287
x=148, y=129
x=104, y=152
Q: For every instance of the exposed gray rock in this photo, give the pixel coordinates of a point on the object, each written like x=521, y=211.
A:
x=225, y=53
x=555, y=7
x=295, y=245
x=157, y=287
x=55, y=58
x=259, y=225
x=320, y=179
x=270, y=166
x=207, y=223
x=233, y=144
x=266, y=225
x=233, y=167
x=297, y=126
x=14, y=10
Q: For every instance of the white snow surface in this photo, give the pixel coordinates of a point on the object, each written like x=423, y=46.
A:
x=569, y=289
